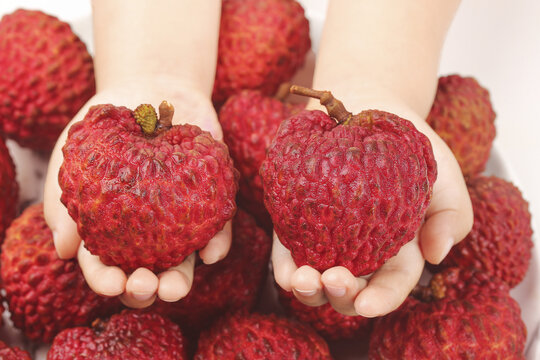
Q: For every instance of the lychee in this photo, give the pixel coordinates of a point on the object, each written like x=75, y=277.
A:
x=262, y=43
x=47, y=76
x=500, y=242
x=128, y=335
x=257, y=336
x=347, y=190
x=9, y=189
x=462, y=314
x=145, y=193
x=45, y=294
x=462, y=115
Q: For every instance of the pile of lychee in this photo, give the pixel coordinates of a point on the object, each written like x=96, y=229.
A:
x=339, y=189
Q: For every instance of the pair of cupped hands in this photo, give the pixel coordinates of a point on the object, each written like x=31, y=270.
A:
x=448, y=220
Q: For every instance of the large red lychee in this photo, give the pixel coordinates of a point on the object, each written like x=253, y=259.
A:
x=331, y=324
x=13, y=353
x=47, y=76
x=257, y=336
x=145, y=195
x=9, y=189
x=232, y=284
x=128, y=335
x=262, y=43
x=347, y=190
x=462, y=115
x=462, y=314
x=45, y=294
x=250, y=121
x=500, y=242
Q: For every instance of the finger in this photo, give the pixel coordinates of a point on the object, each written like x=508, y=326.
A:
x=141, y=288
x=391, y=283
x=283, y=264
x=64, y=230
x=307, y=287
x=449, y=217
x=175, y=283
x=102, y=279
x=341, y=288
x=218, y=247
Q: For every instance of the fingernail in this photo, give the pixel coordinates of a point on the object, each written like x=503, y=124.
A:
x=446, y=249
x=335, y=291
x=306, y=292
x=142, y=296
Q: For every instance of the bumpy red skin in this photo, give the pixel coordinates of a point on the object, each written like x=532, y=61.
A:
x=500, y=242
x=145, y=202
x=462, y=115
x=47, y=76
x=250, y=121
x=262, y=43
x=257, y=336
x=325, y=320
x=232, y=284
x=45, y=294
x=477, y=319
x=12, y=353
x=347, y=195
x=9, y=189
x=128, y=335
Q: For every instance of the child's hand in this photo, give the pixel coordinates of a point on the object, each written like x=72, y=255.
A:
x=140, y=288
x=448, y=220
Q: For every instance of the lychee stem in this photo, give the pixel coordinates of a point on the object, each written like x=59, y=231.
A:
x=166, y=112
x=335, y=108
x=145, y=115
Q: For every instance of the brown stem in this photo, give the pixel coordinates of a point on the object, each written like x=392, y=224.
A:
x=166, y=112
x=283, y=91
x=145, y=115
x=436, y=289
x=335, y=108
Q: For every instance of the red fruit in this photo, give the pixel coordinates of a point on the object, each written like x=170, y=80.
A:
x=128, y=335
x=500, y=242
x=262, y=43
x=12, y=353
x=463, y=314
x=9, y=189
x=250, y=121
x=257, y=336
x=231, y=284
x=325, y=320
x=347, y=193
x=47, y=76
x=462, y=115
x=145, y=198
x=45, y=294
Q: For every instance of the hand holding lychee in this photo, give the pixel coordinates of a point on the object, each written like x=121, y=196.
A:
x=142, y=286
x=447, y=221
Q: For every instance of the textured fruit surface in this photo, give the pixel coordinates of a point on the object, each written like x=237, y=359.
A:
x=259, y=336
x=45, y=294
x=465, y=314
x=500, y=242
x=250, y=121
x=350, y=194
x=145, y=200
x=231, y=284
x=9, y=189
x=12, y=353
x=47, y=76
x=462, y=115
x=331, y=324
x=126, y=336
x=261, y=45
